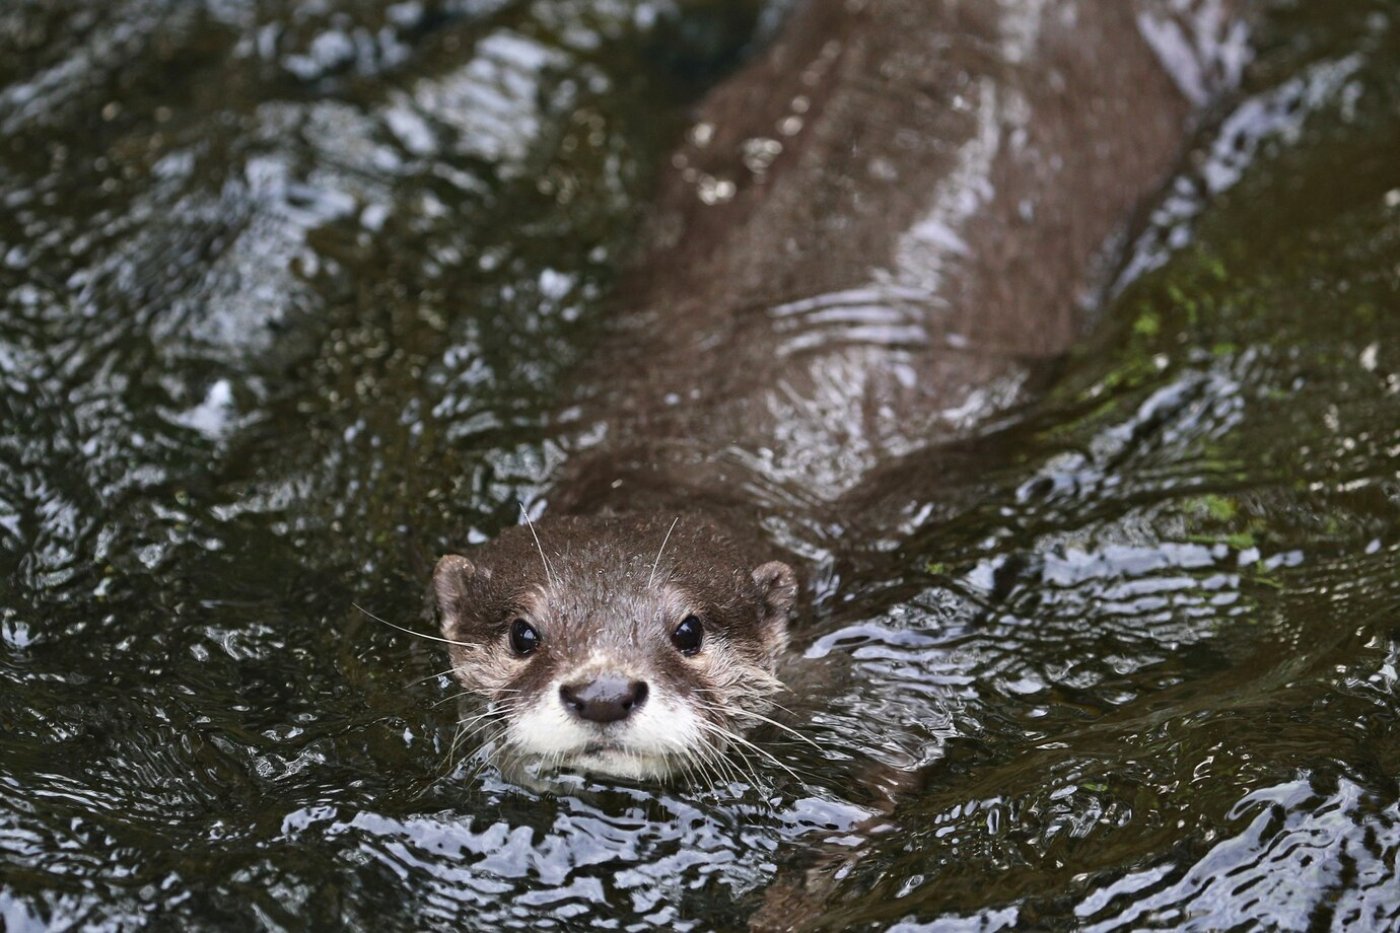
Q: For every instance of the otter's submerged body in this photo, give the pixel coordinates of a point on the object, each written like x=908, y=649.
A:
x=872, y=235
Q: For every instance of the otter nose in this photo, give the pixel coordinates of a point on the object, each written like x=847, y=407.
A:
x=604, y=699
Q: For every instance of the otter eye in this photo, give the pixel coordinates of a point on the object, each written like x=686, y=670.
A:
x=687, y=635
x=523, y=637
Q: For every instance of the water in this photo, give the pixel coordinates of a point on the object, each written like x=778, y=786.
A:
x=285, y=294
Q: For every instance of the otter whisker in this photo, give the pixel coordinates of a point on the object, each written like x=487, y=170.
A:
x=452, y=670
x=483, y=716
x=548, y=568
x=656, y=563
x=710, y=762
x=447, y=768
x=750, y=714
x=703, y=757
x=739, y=740
x=717, y=755
x=748, y=773
x=780, y=707
x=725, y=766
x=486, y=755
x=738, y=737
x=422, y=680
x=446, y=641
x=462, y=735
x=468, y=728
x=449, y=698
x=694, y=765
x=496, y=744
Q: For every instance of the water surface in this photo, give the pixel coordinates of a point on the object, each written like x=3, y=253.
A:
x=286, y=294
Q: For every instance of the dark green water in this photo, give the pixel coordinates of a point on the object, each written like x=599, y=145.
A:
x=286, y=291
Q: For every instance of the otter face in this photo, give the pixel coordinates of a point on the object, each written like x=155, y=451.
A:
x=601, y=651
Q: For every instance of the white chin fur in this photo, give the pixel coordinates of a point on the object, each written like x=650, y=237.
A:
x=648, y=745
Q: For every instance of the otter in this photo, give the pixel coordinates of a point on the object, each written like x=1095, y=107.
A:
x=875, y=236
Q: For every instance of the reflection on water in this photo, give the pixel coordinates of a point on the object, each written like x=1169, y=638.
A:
x=284, y=293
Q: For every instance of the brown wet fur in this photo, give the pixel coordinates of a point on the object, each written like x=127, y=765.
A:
x=893, y=90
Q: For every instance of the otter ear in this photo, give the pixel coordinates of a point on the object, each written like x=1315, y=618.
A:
x=777, y=586
x=453, y=582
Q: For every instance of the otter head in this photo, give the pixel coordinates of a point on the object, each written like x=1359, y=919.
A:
x=625, y=646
